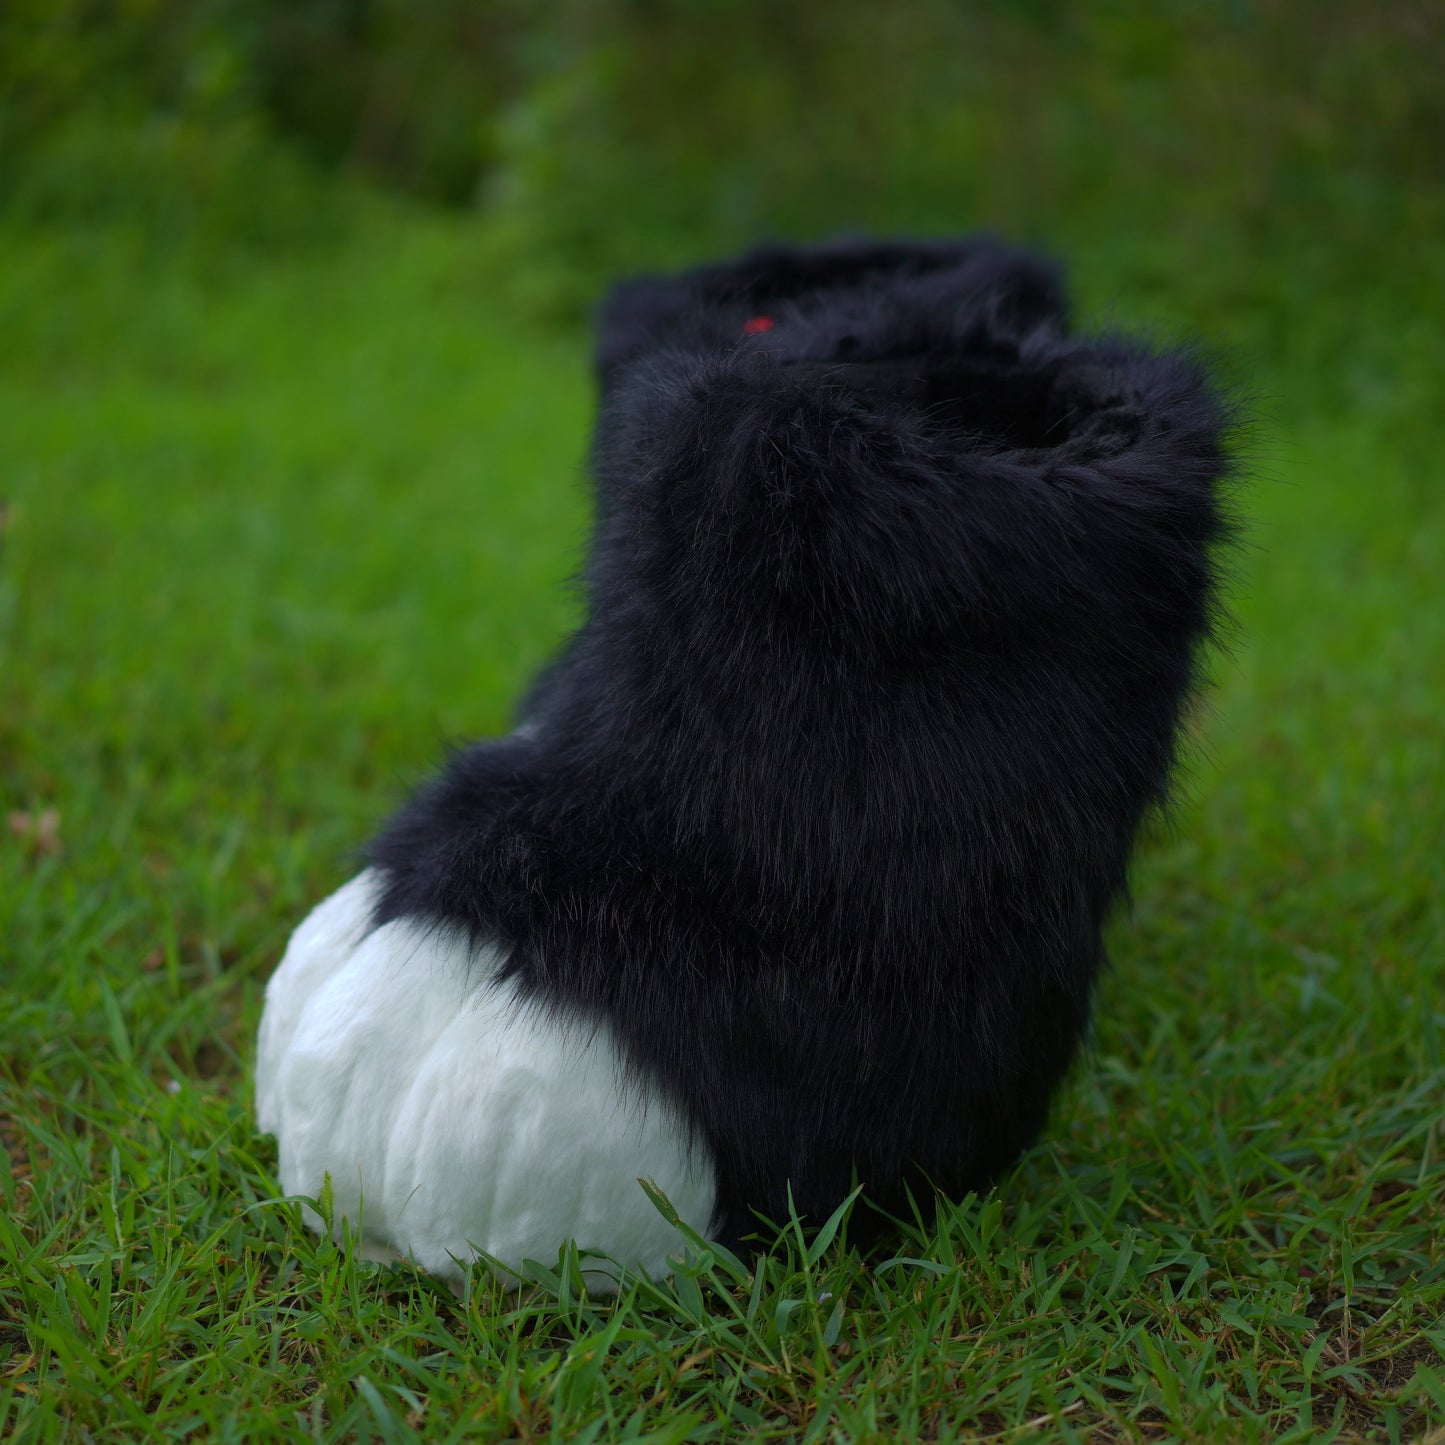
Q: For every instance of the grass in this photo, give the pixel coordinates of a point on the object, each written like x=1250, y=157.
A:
x=277, y=532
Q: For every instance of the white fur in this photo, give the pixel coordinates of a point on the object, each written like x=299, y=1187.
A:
x=453, y=1117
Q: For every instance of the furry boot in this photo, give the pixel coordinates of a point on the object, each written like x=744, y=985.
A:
x=795, y=869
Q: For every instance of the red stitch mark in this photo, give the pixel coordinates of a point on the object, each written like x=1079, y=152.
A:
x=757, y=324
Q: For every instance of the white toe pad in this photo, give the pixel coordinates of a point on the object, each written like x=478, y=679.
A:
x=453, y=1117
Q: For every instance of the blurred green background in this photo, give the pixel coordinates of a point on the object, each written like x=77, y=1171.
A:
x=1273, y=145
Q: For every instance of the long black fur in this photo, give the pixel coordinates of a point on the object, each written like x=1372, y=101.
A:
x=892, y=611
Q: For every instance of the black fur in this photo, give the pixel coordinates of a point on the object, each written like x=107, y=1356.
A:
x=892, y=611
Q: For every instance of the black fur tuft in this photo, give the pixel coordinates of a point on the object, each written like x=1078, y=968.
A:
x=894, y=606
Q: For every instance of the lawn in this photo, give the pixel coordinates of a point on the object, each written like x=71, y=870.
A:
x=277, y=530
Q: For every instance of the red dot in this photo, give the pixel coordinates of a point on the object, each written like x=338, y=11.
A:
x=757, y=324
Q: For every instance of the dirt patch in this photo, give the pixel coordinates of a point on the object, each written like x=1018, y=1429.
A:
x=12, y=1138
